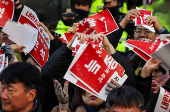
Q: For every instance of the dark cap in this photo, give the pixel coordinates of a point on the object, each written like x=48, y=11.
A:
x=162, y=69
x=66, y=12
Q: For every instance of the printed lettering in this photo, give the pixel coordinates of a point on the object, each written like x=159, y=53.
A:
x=112, y=64
x=92, y=22
x=42, y=53
x=93, y=66
x=1, y=12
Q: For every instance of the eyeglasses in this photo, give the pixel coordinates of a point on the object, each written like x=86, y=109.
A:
x=146, y=32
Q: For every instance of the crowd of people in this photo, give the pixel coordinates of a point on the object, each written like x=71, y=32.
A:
x=27, y=87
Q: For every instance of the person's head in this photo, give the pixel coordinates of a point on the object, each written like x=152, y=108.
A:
x=125, y=99
x=4, y=38
x=110, y=3
x=20, y=85
x=82, y=97
x=30, y=60
x=68, y=16
x=158, y=73
x=142, y=32
x=82, y=4
x=132, y=4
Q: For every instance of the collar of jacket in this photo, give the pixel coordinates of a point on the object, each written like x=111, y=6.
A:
x=82, y=109
x=36, y=108
x=61, y=25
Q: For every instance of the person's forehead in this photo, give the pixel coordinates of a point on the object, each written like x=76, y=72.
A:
x=13, y=85
x=141, y=28
x=121, y=109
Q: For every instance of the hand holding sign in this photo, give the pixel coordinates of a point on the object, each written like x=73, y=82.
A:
x=17, y=48
x=153, y=20
x=73, y=29
x=149, y=67
x=111, y=85
x=46, y=30
x=164, y=37
x=130, y=16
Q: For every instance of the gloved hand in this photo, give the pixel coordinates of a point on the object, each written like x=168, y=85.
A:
x=62, y=95
x=7, y=49
x=163, y=37
x=111, y=85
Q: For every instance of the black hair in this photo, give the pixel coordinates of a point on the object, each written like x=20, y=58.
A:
x=82, y=2
x=24, y=73
x=162, y=70
x=125, y=97
x=77, y=99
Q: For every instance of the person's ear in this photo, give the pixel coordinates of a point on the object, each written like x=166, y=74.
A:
x=76, y=6
x=31, y=94
x=144, y=111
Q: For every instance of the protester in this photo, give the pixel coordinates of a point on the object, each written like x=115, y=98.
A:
x=151, y=75
x=81, y=7
x=125, y=99
x=82, y=100
x=96, y=6
x=20, y=84
x=163, y=82
x=23, y=90
x=58, y=63
x=112, y=6
x=67, y=20
x=142, y=32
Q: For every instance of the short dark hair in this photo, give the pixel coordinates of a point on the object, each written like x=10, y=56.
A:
x=82, y=2
x=125, y=97
x=24, y=73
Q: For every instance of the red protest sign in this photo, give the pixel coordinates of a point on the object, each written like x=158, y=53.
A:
x=109, y=61
x=143, y=48
x=144, y=14
x=6, y=11
x=103, y=22
x=40, y=52
x=141, y=19
x=68, y=36
x=91, y=69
